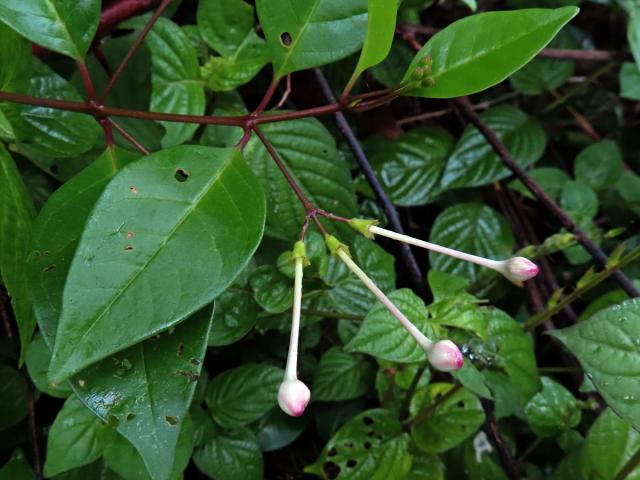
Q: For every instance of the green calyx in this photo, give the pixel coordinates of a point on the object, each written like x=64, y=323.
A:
x=334, y=245
x=362, y=225
x=300, y=252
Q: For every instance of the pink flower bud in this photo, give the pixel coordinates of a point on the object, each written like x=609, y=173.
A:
x=519, y=269
x=445, y=356
x=293, y=397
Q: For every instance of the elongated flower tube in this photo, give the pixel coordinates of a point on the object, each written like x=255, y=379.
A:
x=443, y=355
x=293, y=395
x=515, y=269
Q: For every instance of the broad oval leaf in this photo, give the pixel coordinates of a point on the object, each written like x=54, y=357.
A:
x=472, y=228
x=231, y=455
x=197, y=212
x=599, y=165
x=608, y=348
x=473, y=161
x=552, y=410
x=341, y=376
x=64, y=26
x=501, y=43
x=309, y=33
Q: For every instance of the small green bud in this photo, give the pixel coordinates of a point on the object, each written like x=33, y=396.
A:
x=300, y=251
x=333, y=244
x=362, y=225
x=426, y=60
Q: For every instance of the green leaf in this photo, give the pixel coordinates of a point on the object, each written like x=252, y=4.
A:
x=341, y=376
x=599, y=165
x=610, y=444
x=243, y=394
x=381, y=25
x=37, y=360
x=472, y=379
x=410, y=166
x=74, y=438
x=579, y=201
x=450, y=423
x=552, y=410
x=15, y=57
x=552, y=180
x=472, y=228
x=272, y=290
x=64, y=26
x=505, y=395
x=382, y=335
x=630, y=81
x=13, y=396
x=473, y=161
x=390, y=71
x=227, y=103
x=17, y=467
x=608, y=349
x=515, y=349
x=633, y=33
x=426, y=466
x=277, y=429
x=236, y=314
x=175, y=77
x=370, y=446
x=502, y=43
x=310, y=33
x=16, y=218
x=191, y=203
x=309, y=152
x=231, y=455
x=628, y=186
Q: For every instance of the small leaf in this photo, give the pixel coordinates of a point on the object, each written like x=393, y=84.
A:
x=13, y=396
x=552, y=410
x=502, y=43
x=599, y=165
x=15, y=56
x=372, y=445
x=552, y=180
x=630, y=81
x=383, y=336
x=579, y=201
x=633, y=33
x=277, y=429
x=272, y=290
x=64, y=26
x=236, y=314
x=241, y=395
x=309, y=33
x=608, y=349
x=17, y=467
x=37, y=361
x=195, y=211
x=231, y=455
x=341, y=376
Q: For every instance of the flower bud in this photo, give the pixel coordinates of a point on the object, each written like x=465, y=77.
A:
x=445, y=356
x=519, y=269
x=293, y=397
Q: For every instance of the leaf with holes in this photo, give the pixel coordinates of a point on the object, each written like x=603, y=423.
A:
x=310, y=33
x=448, y=423
x=502, y=43
x=195, y=211
x=383, y=336
x=241, y=395
x=552, y=410
x=341, y=376
x=16, y=218
x=175, y=77
x=64, y=26
x=231, y=455
x=473, y=161
x=472, y=228
x=370, y=446
x=608, y=349
x=309, y=152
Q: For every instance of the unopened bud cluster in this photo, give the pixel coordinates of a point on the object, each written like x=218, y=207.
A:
x=422, y=74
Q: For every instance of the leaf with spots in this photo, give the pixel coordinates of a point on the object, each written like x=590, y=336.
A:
x=371, y=446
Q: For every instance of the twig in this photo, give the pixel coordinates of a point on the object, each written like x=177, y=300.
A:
x=128, y=137
x=392, y=215
x=584, y=55
x=285, y=95
x=336, y=315
x=629, y=467
x=33, y=432
x=429, y=409
x=599, y=256
x=95, y=103
x=506, y=459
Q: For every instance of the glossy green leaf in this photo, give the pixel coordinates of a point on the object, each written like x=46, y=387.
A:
x=630, y=81
x=310, y=33
x=381, y=25
x=628, y=186
x=341, y=376
x=383, y=336
x=502, y=43
x=15, y=56
x=609, y=445
x=552, y=180
x=552, y=410
x=309, y=152
x=37, y=361
x=450, y=423
x=633, y=33
x=272, y=290
x=197, y=211
x=579, y=201
x=243, y=394
x=13, y=396
x=426, y=466
x=226, y=103
x=608, y=349
x=472, y=228
x=277, y=429
x=410, y=166
x=505, y=395
x=16, y=218
x=599, y=165
x=236, y=314
x=64, y=26
x=483, y=466
x=473, y=161
x=370, y=446
x=175, y=78
x=74, y=438
x=17, y=467
x=231, y=455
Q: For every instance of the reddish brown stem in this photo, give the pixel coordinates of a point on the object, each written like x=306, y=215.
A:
x=268, y=95
x=93, y=101
x=128, y=137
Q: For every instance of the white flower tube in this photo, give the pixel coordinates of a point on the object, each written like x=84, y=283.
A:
x=293, y=395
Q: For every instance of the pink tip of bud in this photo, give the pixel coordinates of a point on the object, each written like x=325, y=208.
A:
x=293, y=397
x=445, y=356
x=520, y=269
